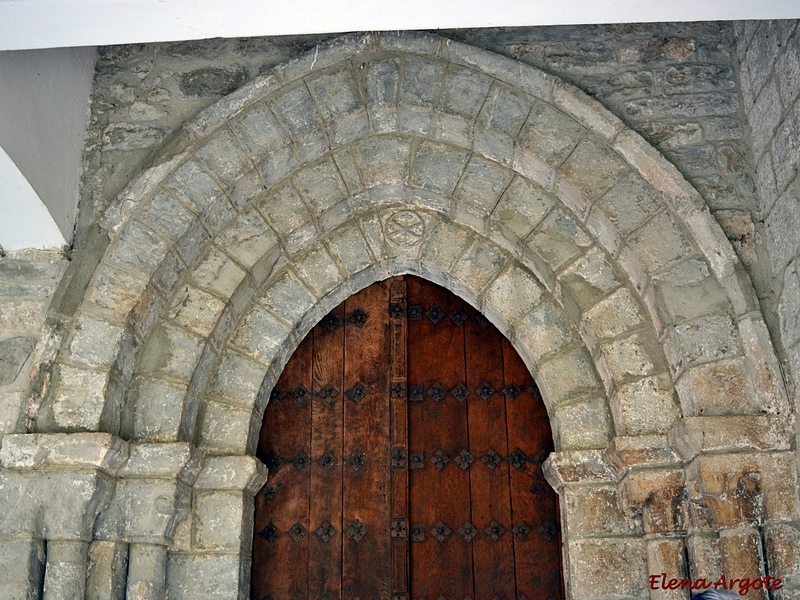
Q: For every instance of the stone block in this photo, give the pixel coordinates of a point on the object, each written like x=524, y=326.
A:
x=147, y=564
x=614, y=315
x=226, y=429
x=385, y=160
x=191, y=182
x=512, y=294
x=222, y=521
x=482, y=184
x=788, y=65
x=588, y=111
x=545, y=331
x=11, y=406
x=634, y=356
x=195, y=309
x=785, y=149
x=21, y=316
x=558, y=239
x=582, y=426
x=593, y=167
x=247, y=239
x=421, y=82
x=782, y=223
x=210, y=576
x=595, y=512
x=627, y=452
x=464, y=92
x=321, y=185
x=21, y=568
x=335, y=93
x=444, y=244
x=14, y=353
x=646, y=406
x=237, y=378
x=65, y=574
x=589, y=570
x=589, y=278
x=504, y=111
x=707, y=339
x=176, y=460
x=783, y=551
x=347, y=244
x=562, y=469
x=695, y=435
x=437, y=167
x=138, y=250
x=259, y=132
x=660, y=242
x=379, y=80
x=74, y=451
x=522, y=207
x=741, y=554
x=720, y=388
x=217, y=273
x=93, y=342
x=211, y=81
x=297, y=112
x=689, y=290
x=158, y=409
x=764, y=117
x=629, y=202
x=762, y=366
x=166, y=216
x=683, y=106
x=240, y=473
x=569, y=376
x=171, y=353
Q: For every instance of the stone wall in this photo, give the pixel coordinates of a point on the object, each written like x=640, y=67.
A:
x=28, y=280
x=769, y=52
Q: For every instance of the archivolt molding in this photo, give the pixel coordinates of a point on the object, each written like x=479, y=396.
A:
x=587, y=249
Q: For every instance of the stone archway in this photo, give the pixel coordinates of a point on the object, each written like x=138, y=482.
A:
x=536, y=205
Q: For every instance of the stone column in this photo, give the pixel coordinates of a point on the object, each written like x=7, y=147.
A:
x=215, y=558
x=596, y=534
x=652, y=483
x=153, y=493
x=59, y=482
x=741, y=482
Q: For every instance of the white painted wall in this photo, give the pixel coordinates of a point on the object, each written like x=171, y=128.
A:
x=44, y=105
x=53, y=23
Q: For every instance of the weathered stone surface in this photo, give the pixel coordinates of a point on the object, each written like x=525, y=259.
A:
x=693, y=435
x=211, y=81
x=645, y=406
x=107, y=570
x=589, y=561
x=21, y=568
x=576, y=467
x=71, y=450
x=595, y=512
x=212, y=576
x=65, y=575
x=582, y=426
x=14, y=353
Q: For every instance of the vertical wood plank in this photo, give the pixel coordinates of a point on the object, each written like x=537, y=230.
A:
x=283, y=503
x=436, y=362
x=537, y=546
x=493, y=552
x=325, y=545
x=398, y=392
x=367, y=561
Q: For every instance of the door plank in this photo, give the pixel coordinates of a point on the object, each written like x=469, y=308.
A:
x=284, y=500
x=436, y=358
x=490, y=491
x=534, y=503
x=367, y=562
x=327, y=441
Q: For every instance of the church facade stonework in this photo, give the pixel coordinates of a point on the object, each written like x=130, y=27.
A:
x=137, y=376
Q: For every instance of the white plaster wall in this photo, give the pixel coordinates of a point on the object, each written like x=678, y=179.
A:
x=44, y=104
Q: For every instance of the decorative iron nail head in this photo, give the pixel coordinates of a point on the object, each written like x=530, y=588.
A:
x=482, y=321
x=512, y=390
x=357, y=393
x=329, y=322
x=539, y=457
x=415, y=393
x=491, y=459
x=521, y=530
x=300, y=396
x=437, y=392
x=271, y=491
x=397, y=390
x=399, y=528
x=467, y=531
x=440, y=531
x=398, y=458
x=458, y=317
x=327, y=461
x=435, y=315
x=460, y=392
x=549, y=530
x=397, y=310
x=439, y=460
x=297, y=532
x=301, y=461
x=417, y=533
x=358, y=318
x=276, y=395
x=417, y=460
x=357, y=530
x=537, y=487
x=517, y=458
x=327, y=392
x=415, y=313
x=494, y=530
x=485, y=390
x=464, y=460
x=356, y=460
x=270, y=533
x=325, y=531
x=273, y=462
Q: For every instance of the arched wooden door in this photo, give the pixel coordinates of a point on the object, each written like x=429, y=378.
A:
x=404, y=441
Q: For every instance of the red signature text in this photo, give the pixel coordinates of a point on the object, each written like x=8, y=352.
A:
x=741, y=585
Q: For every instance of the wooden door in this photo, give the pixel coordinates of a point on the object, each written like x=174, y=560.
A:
x=404, y=441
